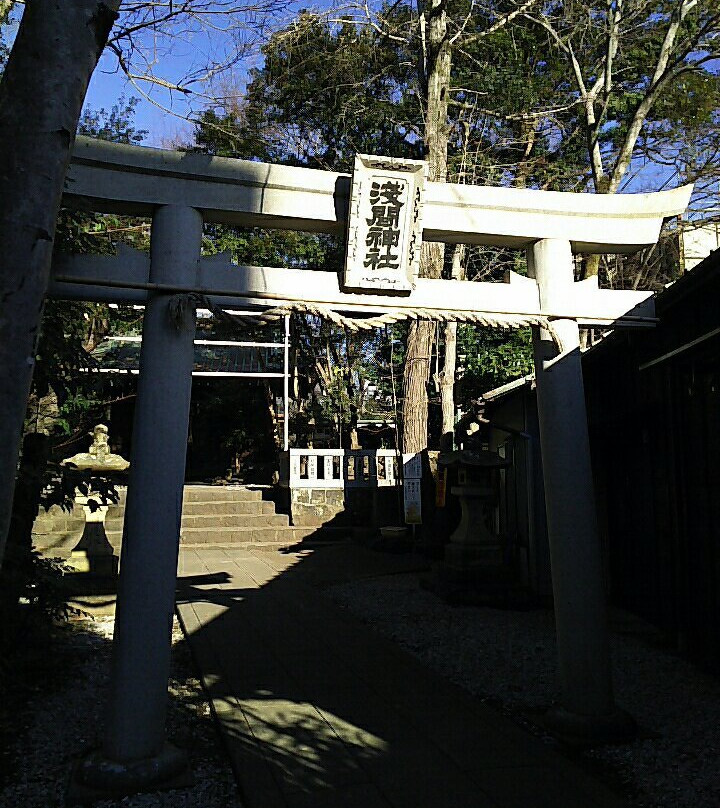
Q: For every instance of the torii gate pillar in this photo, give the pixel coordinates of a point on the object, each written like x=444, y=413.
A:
x=587, y=710
x=135, y=754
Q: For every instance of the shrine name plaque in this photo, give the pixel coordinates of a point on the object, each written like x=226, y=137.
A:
x=384, y=224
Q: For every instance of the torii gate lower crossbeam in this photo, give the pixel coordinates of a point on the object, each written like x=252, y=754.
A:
x=135, y=753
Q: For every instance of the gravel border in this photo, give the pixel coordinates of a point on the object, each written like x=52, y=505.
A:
x=507, y=659
x=61, y=722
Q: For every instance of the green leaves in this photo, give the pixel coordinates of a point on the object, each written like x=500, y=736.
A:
x=115, y=125
x=328, y=91
x=491, y=358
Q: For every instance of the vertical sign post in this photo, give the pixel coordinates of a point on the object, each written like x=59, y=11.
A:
x=412, y=484
x=286, y=385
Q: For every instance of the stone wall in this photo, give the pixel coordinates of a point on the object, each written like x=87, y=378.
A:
x=356, y=507
x=316, y=506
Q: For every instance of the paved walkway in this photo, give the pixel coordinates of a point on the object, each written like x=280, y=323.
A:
x=318, y=711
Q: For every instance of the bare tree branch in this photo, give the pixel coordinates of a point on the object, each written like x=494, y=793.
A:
x=501, y=23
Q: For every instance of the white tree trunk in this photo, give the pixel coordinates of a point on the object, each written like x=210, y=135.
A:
x=447, y=376
x=41, y=97
x=447, y=386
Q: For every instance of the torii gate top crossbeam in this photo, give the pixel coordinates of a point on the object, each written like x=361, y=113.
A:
x=135, y=180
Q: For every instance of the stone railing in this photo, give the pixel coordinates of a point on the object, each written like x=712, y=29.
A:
x=340, y=468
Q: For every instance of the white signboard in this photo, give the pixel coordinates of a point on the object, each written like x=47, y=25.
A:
x=384, y=224
x=412, y=465
x=412, y=482
x=413, y=502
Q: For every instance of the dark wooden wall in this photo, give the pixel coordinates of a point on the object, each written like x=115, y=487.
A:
x=654, y=413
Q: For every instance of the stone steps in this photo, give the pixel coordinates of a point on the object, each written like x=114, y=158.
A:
x=240, y=507
x=235, y=520
x=214, y=493
x=222, y=516
x=220, y=519
x=221, y=493
x=245, y=535
x=322, y=536
x=232, y=516
x=272, y=538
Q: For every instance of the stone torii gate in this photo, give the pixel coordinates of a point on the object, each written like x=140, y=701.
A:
x=180, y=192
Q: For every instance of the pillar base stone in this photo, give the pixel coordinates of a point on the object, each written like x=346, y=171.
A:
x=97, y=777
x=590, y=730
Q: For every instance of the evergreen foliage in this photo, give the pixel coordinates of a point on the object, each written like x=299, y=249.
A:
x=550, y=101
x=490, y=358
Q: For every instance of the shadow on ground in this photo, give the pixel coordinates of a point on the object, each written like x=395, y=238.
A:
x=317, y=710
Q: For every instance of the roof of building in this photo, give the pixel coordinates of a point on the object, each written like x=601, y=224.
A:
x=509, y=387
x=122, y=354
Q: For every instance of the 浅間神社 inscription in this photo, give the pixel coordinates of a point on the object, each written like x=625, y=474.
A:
x=384, y=227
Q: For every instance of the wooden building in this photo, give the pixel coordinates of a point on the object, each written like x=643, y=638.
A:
x=653, y=399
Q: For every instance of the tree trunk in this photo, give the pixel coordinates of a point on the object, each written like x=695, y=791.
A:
x=17, y=571
x=591, y=268
x=447, y=377
x=436, y=80
x=417, y=372
x=274, y=426
x=41, y=97
x=447, y=386
x=353, y=438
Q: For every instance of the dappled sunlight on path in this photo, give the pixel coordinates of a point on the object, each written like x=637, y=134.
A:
x=317, y=710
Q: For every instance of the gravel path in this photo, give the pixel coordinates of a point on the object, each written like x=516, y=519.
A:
x=508, y=659
x=58, y=724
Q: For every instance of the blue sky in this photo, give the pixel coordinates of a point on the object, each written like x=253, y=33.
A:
x=108, y=84
x=191, y=47
x=163, y=113
x=160, y=111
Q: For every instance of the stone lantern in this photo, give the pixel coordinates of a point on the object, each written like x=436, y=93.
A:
x=475, y=546
x=94, y=553
x=476, y=567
